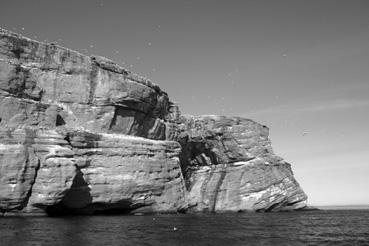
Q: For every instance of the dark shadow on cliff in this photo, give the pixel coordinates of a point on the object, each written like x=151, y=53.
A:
x=59, y=121
x=76, y=199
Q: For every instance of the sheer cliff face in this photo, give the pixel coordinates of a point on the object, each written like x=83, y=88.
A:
x=229, y=165
x=80, y=134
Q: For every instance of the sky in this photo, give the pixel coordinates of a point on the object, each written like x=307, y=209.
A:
x=301, y=67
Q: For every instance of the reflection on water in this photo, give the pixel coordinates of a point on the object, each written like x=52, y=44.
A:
x=344, y=227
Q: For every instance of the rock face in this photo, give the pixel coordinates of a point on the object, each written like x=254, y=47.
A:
x=81, y=134
x=229, y=165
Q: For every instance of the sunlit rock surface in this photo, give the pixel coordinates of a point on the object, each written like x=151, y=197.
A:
x=229, y=165
x=81, y=134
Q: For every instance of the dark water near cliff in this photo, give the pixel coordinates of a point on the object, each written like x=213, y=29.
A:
x=335, y=227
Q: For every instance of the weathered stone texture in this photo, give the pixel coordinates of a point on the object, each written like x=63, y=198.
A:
x=81, y=172
x=81, y=134
x=229, y=165
x=92, y=92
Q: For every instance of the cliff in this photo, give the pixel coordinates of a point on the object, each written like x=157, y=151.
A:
x=81, y=134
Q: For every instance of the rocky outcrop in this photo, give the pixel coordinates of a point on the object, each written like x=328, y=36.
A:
x=229, y=165
x=81, y=134
x=40, y=82
x=81, y=172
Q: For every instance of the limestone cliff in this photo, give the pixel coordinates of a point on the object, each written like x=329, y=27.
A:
x=81, y=134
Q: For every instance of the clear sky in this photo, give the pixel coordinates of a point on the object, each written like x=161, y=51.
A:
x=300, y=67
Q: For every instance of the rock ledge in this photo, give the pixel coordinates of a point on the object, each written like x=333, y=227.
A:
x=83, y=135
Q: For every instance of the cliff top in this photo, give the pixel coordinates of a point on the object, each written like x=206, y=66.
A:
x=101, y=61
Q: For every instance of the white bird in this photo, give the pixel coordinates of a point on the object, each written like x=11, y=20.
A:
x=175, y=228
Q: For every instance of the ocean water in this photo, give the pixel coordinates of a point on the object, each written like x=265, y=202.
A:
x=333, y=227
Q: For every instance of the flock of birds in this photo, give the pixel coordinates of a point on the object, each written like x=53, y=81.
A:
x=91, y=46
x=149, y=44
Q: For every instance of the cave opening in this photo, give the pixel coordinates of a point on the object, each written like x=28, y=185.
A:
x=59, y=121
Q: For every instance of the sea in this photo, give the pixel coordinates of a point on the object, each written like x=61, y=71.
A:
x=323, y=227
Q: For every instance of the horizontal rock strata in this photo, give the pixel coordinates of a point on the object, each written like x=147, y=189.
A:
x=229, y=165
x=82, y=135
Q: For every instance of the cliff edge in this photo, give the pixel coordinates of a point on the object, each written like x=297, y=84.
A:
x=81, y=135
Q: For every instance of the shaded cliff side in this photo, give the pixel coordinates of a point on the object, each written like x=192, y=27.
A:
x=81, y=134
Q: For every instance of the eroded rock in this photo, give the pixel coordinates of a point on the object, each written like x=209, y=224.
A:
x=229, y=165
x=83, y=135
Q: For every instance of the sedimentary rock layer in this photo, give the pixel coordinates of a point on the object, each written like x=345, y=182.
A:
x=80, y=172
x=80, y=134
x=229, y=165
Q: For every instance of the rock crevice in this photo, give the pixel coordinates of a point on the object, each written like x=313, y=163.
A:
x=83, y=135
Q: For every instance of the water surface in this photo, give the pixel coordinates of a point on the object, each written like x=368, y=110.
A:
x=333, y=227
